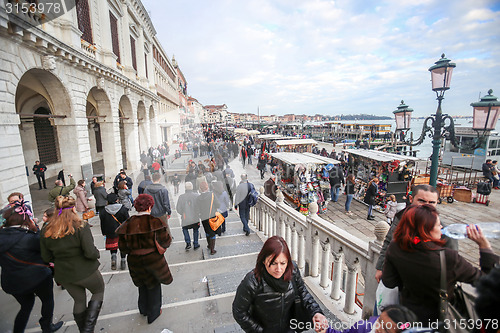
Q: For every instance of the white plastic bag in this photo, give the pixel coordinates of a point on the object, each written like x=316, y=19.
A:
x=386, y=296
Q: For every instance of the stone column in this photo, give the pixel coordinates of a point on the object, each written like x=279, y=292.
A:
x=295, y=244
x=350, y=289
x=315, y=257
x=325, y=263
x=302, y=251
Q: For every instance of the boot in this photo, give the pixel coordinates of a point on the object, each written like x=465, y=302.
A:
x=212, y=246
x=113, y=261
x=93, y=310
x=123, y=264
x=80, y=320
x=53, y=327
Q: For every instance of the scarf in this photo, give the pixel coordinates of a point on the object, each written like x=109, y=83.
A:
x=279, y=285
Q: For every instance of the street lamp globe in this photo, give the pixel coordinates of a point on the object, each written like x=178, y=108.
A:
x=441, y=74
x=403, y=117
x=486, y=112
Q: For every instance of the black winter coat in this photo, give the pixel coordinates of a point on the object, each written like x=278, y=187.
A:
x=371, y=194
x=108, y=223
x=259, y=308
x=23, y=245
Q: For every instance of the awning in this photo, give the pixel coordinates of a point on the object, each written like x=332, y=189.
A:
x=270, y=136
x=380, y=155
x=299, y=158
x=295, y=142
x=327, y=160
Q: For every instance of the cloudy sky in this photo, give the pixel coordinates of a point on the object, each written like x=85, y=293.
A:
x=331, y=57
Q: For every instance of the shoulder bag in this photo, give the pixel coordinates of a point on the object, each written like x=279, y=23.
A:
x=88, y=214
x=456, y=317
x=299, y=311
x=216, y=221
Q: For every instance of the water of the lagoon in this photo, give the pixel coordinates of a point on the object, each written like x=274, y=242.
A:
x=425, y=149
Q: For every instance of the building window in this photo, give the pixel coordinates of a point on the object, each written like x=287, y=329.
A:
x=146, y=64
x=132, y=50
x=83, y=15
x=114, y=36
x=46, y=141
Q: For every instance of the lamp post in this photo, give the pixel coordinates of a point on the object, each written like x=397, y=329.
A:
x=441, y=125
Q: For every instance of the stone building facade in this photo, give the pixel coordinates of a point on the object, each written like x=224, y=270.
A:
x=82, y=92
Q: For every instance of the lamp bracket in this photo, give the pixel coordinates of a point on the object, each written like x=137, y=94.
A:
x=426, y=130
x=449, y=133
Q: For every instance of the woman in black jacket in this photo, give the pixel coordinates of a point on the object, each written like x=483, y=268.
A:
x=261, y=165
x=112, y=216
x=264, y=299
x=24, y=274
x=370, y=195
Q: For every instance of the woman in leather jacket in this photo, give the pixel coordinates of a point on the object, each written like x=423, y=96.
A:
x=265, y=298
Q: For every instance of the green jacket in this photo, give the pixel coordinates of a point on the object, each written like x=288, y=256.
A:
x=61, y=190
x=74, y=256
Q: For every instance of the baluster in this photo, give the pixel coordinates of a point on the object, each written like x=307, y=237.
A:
x=282, y=229
x=288, y=234
x=315, y=257
x=350, y=289
x=272, y=225
x=325, y=262
x=302, y=251
x=338, y=261
x=264, y=220
x=295, y=244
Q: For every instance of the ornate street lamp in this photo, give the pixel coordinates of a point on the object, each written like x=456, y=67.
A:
x=403, y=117
x=439, y=125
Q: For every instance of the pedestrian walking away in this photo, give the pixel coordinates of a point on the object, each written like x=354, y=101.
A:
x=24, y=272
x=186, y=207
x=67, y=241
x=241, y=201
x=206, y=205
x=112, y=216
x=145, y=238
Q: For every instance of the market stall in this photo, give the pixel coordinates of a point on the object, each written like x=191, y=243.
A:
x=296, y=145
x=394, y=172
x=303, y=178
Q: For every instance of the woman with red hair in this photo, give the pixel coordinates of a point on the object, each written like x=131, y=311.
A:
x=412, y=261
x=265, y=298
x=145, y=239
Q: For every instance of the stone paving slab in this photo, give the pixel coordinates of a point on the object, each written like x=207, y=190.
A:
x=233, y=249
x=226, y=282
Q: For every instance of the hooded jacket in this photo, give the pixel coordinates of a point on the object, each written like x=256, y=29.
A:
x=108, y=223
x=18, y=244
x=160, y=196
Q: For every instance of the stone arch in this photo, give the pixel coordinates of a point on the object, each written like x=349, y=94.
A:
x=42, y=103
x=103, y=148
x=142, y=121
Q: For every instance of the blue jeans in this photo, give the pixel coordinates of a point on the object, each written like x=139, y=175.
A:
x=187, y=239
x=335, y=193
x=223, y=227
x=348, y=201
x=370, y=208
x=244, y=216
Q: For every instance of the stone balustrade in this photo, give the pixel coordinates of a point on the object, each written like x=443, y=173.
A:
x=341, y=261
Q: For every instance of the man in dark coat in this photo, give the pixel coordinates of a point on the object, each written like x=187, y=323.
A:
x=143, y=184
x=161, y=208
x=336, y=180
x=122, y=176
x=39, y=171
x=270, y=189
x=487, y=171
x=241, y=201
x=186, y=207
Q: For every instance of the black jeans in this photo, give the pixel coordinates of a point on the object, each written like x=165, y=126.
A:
x=41, y=178
x=149, y=302
x=44, y=291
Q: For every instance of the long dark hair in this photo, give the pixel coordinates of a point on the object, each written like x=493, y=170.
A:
x=274, y=246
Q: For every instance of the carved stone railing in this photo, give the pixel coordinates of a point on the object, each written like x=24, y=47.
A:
x=323, y=250
x=88, y=49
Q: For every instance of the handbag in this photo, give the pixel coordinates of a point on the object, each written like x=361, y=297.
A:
x=299, y=311
x=88, y=214
x=454, y=318
x=216, y=221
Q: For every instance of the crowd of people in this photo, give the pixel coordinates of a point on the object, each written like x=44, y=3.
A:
x=272, y=297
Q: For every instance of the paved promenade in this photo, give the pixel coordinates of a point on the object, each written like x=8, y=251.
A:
x=200, y=297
